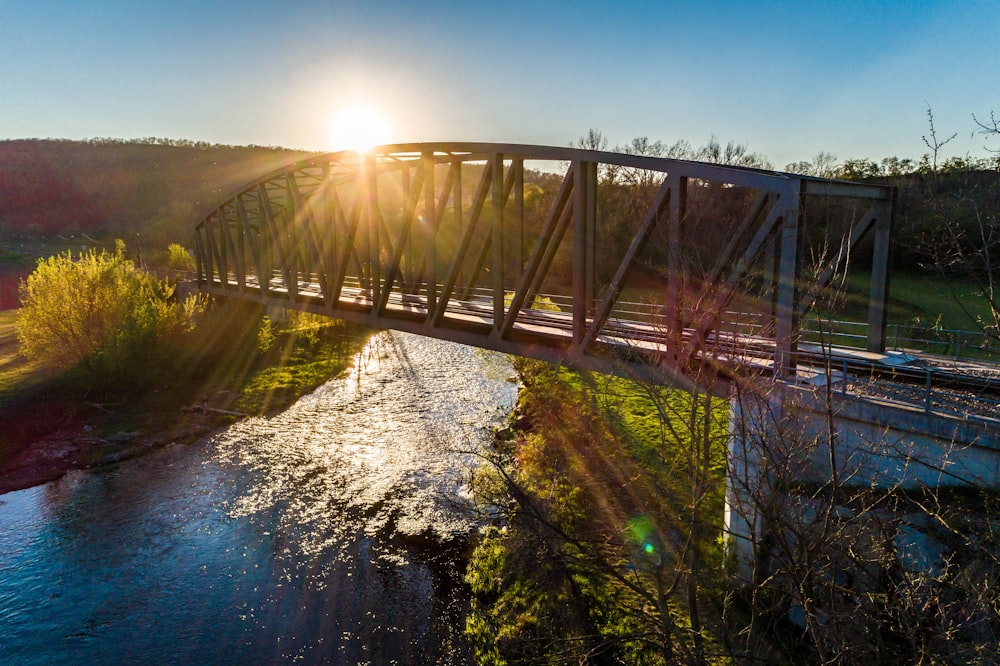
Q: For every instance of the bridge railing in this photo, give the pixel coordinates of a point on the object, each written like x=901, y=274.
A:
x=173, y=274
x=951, y=343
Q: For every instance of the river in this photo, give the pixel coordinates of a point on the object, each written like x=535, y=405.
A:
x=333, y=532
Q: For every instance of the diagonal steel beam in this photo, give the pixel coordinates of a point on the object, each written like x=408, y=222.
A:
x=305, y=219
x=639, y=240
x=252, y=241
x=278, y=240
x=549, y=236
x=394, y=271
x=458, y=260
x=723, y=295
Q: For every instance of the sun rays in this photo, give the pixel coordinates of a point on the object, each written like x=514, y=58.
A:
x=359, y=128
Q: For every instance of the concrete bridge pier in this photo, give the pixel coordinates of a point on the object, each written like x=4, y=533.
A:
x=794, y=443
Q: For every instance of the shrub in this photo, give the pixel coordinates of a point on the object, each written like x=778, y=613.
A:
x=178, y=258
x=98, y=313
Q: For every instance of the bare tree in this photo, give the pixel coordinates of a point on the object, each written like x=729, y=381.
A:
x=864, y=566
x=963, y=243
x=988, y=128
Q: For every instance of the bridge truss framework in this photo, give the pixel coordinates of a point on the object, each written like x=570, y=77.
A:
x=587, y=258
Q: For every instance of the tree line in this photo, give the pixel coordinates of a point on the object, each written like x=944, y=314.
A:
x=147, y=191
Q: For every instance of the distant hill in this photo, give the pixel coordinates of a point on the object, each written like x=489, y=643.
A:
x=108, y=188
x=150, y=191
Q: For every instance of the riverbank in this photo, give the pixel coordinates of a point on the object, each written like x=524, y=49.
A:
x=608, y=491
x=49, y=425
x=332, y=531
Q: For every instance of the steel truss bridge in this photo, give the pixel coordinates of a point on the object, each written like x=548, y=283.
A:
x=689, y=271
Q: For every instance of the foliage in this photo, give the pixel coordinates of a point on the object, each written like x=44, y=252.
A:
x=178, y=258
x=265, y=335
x=301, y=353
x=598, y=524
x=97, y=312
x=147, y=191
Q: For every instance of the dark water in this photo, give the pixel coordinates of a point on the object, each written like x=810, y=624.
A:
x=331, y=533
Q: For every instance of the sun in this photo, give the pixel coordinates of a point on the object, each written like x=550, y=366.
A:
x=358, y=128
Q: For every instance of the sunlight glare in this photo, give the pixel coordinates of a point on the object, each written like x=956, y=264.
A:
x=358, y=128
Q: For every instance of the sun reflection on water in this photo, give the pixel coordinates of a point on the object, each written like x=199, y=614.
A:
x=386, y=450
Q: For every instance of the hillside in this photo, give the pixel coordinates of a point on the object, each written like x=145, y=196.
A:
x=146, y=191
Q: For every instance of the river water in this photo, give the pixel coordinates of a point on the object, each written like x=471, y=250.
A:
x=331, y=533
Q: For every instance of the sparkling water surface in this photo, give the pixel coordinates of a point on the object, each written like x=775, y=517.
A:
x=330, y=533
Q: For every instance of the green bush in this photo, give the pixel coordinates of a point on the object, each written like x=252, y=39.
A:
x=96, y=312
x=178, y=258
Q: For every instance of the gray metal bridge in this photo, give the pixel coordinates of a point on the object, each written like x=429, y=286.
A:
x=692, y=271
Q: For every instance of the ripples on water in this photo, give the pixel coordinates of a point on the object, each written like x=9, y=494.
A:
x=331, y=533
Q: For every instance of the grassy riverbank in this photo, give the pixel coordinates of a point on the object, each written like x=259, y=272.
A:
x=52, y=422
x=610, y=491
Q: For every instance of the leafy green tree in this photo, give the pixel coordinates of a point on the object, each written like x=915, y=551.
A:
x=178, y=258
x=97, y=312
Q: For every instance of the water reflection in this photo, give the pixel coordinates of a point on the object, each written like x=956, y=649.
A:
x=329, y=533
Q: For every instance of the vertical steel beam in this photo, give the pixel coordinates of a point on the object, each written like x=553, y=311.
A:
x=497, y=240
x=289, y=218
x=771, y=266
x=267, y=249
x=405, y=266
x=676, y=211
x=584, y=221
x=787, y=325
x=372, y=226
x=238, y=249
x=220, y=258
x=459, y=220
x=430, y=228
x=252, y=241
x=590, y=203
x=517, y=165
x=203, y=263
x=878, y=301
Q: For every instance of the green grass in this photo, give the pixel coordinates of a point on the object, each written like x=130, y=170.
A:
x=924, y=311
x=17, y=373
x=919, y=298
x=915, y=297
x=311, y=364
x=607, y=460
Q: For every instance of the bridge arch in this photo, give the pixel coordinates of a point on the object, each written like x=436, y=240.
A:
x=588, y=258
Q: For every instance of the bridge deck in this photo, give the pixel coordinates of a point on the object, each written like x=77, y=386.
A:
x=549, y=334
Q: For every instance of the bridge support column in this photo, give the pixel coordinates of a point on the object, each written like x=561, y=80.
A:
x=753, y=422
x=797, y=436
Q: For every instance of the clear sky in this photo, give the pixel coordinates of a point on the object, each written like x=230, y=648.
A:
x=789, y=79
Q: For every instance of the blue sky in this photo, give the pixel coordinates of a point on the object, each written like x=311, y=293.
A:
x=789, y=79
